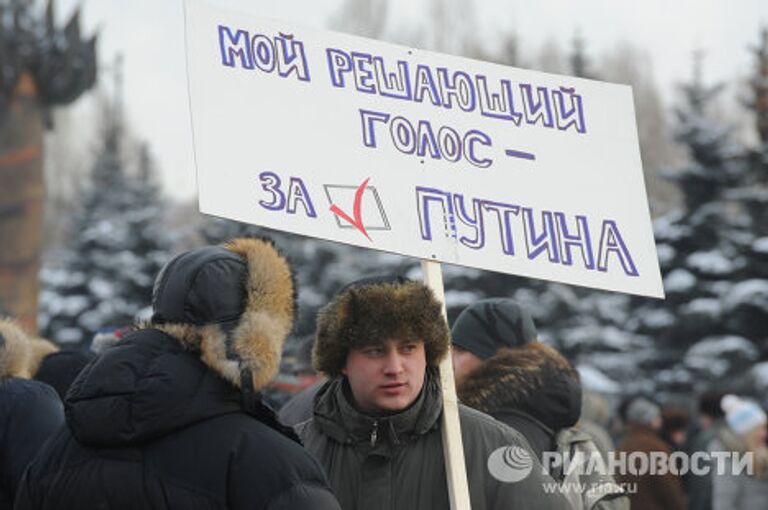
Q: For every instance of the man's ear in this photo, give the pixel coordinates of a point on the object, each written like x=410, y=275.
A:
x=344, y=371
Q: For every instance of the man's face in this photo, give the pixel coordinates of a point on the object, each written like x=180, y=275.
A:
x=386, y=377
x=464, y=362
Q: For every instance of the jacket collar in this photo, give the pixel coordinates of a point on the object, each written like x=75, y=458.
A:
x=540, y=437
x=337, y=417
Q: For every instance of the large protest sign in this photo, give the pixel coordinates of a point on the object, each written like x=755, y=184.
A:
x=427, y=155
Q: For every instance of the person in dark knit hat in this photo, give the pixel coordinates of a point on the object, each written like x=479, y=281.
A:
x=502, y=370
x=376, y=424
x=170, y=417
x=483, y=328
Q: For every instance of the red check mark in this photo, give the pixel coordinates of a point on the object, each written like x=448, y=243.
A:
x=357, y=221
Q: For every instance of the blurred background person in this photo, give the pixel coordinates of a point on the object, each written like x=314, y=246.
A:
x=108, y=336
x=296, y=374
x=299, y=407
x=744, y=433
x=642, y=434
x=709, y=422
x=594, y=420
x=59, y=369
x=674, y=431
x=674, y=427
x=30, y=411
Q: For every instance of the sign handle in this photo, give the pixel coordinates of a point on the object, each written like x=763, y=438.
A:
x=453, y=448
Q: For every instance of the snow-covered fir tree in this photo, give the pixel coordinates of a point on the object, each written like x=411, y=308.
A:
x=747, y=300
x=578, y=60
x=709, y=328
x=104, y=277
x=145, y=218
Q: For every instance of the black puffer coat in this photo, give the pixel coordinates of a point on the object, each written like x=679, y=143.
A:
x=169, y=417
x=30, y=412
x=150, y=426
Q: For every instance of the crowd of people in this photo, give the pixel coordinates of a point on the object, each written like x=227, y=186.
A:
x=170, y=413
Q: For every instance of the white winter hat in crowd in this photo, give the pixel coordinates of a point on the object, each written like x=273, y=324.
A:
x=643, y=411
x=742, y=415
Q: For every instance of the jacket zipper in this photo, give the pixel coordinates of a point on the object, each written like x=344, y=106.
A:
x=374, y=433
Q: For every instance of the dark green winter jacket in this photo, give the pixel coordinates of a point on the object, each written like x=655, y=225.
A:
x=396, y=462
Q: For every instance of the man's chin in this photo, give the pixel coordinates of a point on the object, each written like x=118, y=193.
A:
x=395, y=404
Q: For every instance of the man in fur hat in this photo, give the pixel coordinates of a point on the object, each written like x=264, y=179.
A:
x=170, y=417
x=376, y=424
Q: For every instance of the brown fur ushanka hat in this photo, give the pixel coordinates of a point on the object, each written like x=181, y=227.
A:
x=21, y=353
x=234, y=304
x=371, y=313
x=14, y=350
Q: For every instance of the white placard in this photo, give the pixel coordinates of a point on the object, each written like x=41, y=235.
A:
x=418, y=153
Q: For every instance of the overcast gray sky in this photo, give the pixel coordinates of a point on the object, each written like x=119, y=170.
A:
x=150, y=34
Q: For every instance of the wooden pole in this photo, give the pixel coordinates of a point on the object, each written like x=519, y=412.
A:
x=453, y=448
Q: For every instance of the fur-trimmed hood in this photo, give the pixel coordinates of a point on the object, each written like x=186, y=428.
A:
x=234, y=305
x=14, y=350
x=370, y=313
x=533, y=379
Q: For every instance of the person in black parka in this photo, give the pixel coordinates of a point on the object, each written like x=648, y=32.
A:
x=170, y=417
x=30, y=411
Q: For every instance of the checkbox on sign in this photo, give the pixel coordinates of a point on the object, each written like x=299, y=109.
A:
x=342, y=198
